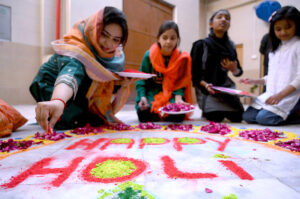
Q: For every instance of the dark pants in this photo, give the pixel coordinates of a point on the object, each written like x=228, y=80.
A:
x=294, y=116
x=147, y=116
x=219, y=116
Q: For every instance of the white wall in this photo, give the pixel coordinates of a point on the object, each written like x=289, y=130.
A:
x=81, y=9
x=22, y=30
x=187, y=16
x=295, y=3
x=48, y=25
x=20, y=58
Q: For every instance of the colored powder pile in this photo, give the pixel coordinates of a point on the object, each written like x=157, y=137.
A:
x=126, y=190
x=121, y=141
x=113, y=169
x=221, y=156
x=186, y=140
x=230, y=196
x=153, y=140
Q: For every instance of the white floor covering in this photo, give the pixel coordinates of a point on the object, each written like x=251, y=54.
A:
x=275, y=173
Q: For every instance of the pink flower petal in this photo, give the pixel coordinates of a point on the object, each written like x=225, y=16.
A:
x=207, y=190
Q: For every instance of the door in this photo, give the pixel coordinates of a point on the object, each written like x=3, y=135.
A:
x=144, y=18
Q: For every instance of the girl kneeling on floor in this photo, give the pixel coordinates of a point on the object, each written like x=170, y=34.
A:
x=213, y=58
x=172, y=83
x=281, y=101
x=78, y=83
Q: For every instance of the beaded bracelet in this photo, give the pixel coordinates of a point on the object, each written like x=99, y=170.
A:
x=60, y=100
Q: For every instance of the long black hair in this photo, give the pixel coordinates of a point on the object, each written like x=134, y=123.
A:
x=114, y=15
x=286, y=12
x=167, y=25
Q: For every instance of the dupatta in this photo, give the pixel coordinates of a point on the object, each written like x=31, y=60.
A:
x=82, y=43
x=176, y=75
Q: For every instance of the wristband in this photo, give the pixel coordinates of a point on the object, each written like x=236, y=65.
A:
x=60, y=100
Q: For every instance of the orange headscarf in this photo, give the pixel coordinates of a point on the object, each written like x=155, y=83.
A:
x=176, y=75
x=93, y=28
x=74, y=45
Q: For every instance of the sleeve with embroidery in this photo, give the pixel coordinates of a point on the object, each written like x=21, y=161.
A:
x=71, y=72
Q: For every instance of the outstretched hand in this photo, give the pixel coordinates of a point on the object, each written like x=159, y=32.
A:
x=179, y=100
x=48, y=111
x=252, y=81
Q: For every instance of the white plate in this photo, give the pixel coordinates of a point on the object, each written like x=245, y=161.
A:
x=177, y=113
x=136, y=75
x=233, y=91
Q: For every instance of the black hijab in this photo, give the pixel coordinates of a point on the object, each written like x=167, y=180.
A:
x=217, y=50
x=221, y=47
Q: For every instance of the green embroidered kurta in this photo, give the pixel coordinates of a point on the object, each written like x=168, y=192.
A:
x=150, y=87
x=64, y=69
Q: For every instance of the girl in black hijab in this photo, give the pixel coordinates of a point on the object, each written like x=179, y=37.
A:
x=212, y=59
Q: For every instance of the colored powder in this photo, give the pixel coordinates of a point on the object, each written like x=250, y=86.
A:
x=221, y=156
x=188, y=140
x=101, y=191
x=230, y=196
x=113, y=169
x=121, y=141
x=116, y=190
x=124, y=185
x=154, y=140
x=129, y=193
x=128, y=190
x=104, y=195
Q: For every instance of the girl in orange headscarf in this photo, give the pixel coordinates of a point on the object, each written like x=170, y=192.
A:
x=172, y=83
x=78, y=83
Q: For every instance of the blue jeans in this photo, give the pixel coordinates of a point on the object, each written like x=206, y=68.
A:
x=262, y=116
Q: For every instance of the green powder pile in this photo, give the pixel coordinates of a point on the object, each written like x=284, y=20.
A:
x=130, y=193
x=121, y=141
x=221, y=156
x=230, y=196
x=113, y=169
x=186, y=140
x=153, y=140
x=127, y=190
